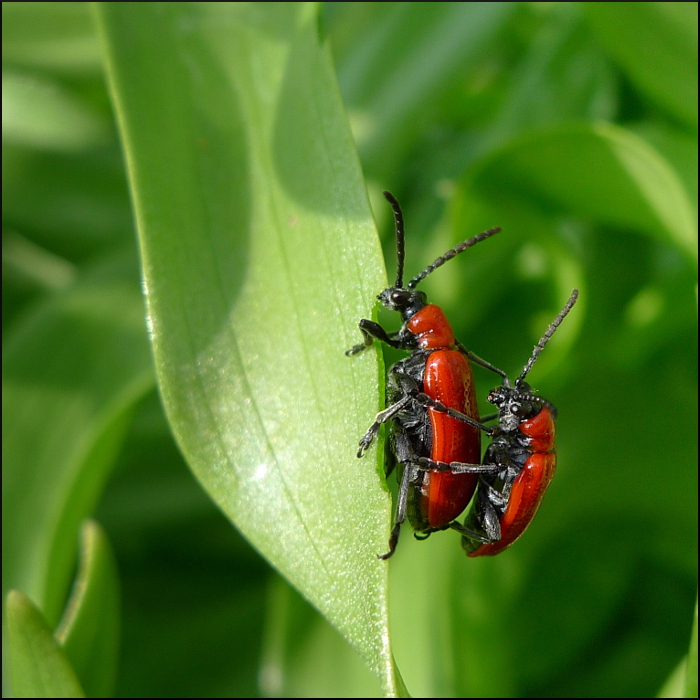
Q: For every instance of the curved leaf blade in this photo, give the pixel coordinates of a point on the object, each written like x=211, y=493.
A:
x=601, y=172
x=38, y=667
x=89, y=630
x=259, y=256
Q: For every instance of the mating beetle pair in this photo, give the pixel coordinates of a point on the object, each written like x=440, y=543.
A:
x=435, y=426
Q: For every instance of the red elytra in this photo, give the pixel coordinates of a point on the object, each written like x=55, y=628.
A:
x=448, y=379
x=530, y=485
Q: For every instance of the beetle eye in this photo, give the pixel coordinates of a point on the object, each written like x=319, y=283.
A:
x=521, y=410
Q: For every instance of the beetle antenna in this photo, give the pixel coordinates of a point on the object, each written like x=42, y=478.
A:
x=548, y=334
x=400, y=246
x=451, y=254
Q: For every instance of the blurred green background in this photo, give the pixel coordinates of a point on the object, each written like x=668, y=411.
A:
x=571, y=125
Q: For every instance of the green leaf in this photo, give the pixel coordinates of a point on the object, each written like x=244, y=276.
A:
x=73, y=368
x=259, y=256
x=656, y=43
x=601, y=172
x=89, y=630
x=38, y=667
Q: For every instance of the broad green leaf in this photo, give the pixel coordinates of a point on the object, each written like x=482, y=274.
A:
x=602, y=173
x=89, y=630
x=72, y=370
x=656, y=43
x=604, y=583
x=37, y=665
x=259, y=256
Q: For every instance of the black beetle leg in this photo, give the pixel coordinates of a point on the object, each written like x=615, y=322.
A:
x=427, y=464
x=382, y=417
x=425, y=400
x=487, y=518
x=495, y=498
x=410, y=388
x=400, y=512
x=481, y=362
x=404, y=455
x=371, y=331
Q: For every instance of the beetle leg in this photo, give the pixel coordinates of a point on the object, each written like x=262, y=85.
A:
x=495, y=497
x=371, y=331
x=425, y=400
x=405, y=455
x=382, y=417
x=400, y=512
x=426, y=464
x=478, y=361
x=409, y=387
x=486, y=517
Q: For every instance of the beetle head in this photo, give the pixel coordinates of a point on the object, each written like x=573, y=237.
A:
x=406, y=301
x=515, y=404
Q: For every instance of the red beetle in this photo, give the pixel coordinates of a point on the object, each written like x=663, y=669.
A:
x=523, y=450
x=424, y=441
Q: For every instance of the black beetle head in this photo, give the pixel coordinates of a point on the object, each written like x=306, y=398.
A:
x=515, y=404
x=406, y=301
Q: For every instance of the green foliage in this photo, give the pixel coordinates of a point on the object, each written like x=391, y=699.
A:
x=89, y=630
x=571, y=125
x=37, y=664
